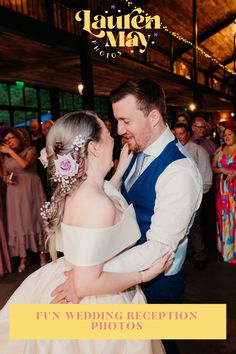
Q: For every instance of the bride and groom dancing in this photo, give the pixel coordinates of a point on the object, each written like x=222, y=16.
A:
x=92, y=223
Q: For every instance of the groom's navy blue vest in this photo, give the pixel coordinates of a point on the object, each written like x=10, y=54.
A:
x=142, y=194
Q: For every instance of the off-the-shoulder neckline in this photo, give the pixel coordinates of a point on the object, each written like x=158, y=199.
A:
x=99, y=228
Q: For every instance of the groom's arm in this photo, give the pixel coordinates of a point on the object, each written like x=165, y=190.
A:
x=179, y=193
x=137, y=258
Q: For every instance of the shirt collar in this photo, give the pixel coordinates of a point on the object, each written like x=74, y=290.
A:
x=156, y=148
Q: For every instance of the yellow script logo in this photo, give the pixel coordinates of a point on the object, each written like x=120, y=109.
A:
x=126, y=28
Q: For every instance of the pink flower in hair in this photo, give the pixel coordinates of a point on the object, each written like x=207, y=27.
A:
x=66, y=166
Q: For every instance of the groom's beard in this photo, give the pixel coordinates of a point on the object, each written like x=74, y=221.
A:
x=132, y=143
x=134, y=147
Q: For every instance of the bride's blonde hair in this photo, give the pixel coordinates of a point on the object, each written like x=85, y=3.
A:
x=60, y=140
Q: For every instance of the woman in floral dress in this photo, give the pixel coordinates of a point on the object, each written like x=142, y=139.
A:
x=224, y=166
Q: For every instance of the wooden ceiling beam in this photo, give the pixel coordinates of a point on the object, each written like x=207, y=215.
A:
x=74, y=5
x=21, y=25
x=228, y=60
x=60, y=62
x=207, y=34
x=225, y=62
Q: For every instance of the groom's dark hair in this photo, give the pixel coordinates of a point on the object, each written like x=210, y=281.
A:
x=148, y=93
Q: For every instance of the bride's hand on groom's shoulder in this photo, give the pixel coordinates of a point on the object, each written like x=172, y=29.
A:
x=65, y=292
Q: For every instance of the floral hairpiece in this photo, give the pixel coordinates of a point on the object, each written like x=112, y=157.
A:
x=78, y=142
x=66, y=168
x=47, y=210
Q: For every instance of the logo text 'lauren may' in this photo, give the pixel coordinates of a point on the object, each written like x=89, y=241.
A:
x=126, y=27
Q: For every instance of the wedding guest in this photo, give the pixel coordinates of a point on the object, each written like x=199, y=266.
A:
x=42, y=166
x=46, y=126
x=37, y=140
x=183, y=118
x=5, y=263
x=219, y=139
x=208, y=203
x=116, y=149
x=199, y=129
x=24, y=197
x=224, y=166
x=202, y=159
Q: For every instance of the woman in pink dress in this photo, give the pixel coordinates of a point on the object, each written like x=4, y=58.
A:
x=5, y=264
x=24, y=198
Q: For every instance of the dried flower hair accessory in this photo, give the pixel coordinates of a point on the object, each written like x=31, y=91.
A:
x=78, y=142
x=47, y=210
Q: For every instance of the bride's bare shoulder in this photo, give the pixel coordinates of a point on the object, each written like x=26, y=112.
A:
x=89, y=208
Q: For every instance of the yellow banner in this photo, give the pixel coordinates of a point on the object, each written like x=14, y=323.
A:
x=183, y=321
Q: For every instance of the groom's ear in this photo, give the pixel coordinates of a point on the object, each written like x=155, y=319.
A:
x=154, y=117
x=93, y=148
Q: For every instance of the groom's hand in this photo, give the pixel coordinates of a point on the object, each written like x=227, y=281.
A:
x=65, y=293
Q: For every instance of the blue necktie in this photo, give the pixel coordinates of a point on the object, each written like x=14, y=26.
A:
x=139, y=164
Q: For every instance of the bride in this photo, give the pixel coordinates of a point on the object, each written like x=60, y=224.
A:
x=91, y=223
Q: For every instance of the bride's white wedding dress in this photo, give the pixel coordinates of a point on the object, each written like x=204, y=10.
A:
x=82, y=247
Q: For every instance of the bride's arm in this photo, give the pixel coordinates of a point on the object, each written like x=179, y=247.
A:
x=90, y=281
x=98, y=211
x=125, y=158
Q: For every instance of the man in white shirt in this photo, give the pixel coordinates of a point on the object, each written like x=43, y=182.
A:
x=139, y=107
x=199, y=137
x=202, y=159
x=166, y=194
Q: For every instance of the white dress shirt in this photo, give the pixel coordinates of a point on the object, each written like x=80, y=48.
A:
x=202, y=159
x=179, y=194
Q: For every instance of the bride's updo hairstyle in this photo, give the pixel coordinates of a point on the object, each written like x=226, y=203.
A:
x=67, y=151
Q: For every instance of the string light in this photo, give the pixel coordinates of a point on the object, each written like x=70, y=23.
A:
x=200, y=50
x=186, y=41
x=129, y=2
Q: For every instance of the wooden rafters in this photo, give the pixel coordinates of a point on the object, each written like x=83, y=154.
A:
x=207, y=34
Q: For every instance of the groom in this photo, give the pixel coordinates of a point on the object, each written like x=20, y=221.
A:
x=163, y=184
x=166, y=190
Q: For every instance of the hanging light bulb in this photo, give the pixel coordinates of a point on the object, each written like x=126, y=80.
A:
x=80, y=89
x=192, y=107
